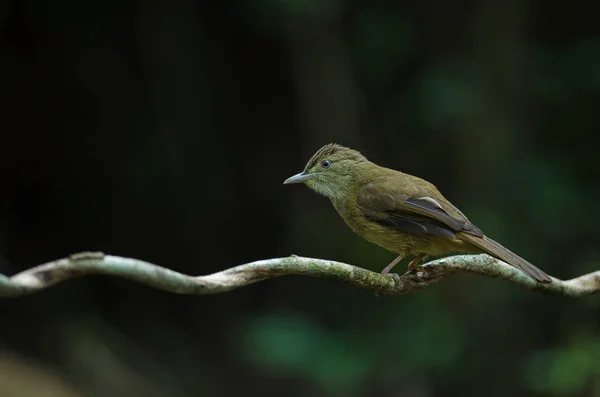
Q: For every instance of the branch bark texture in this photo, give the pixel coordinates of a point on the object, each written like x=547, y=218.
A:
x=89, y=263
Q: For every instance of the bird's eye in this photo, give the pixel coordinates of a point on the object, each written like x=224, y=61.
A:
x=326, y=163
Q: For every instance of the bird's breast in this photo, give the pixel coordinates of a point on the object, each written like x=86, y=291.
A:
x=373, y=231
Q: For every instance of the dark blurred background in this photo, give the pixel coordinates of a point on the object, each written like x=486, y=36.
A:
x=164, y=130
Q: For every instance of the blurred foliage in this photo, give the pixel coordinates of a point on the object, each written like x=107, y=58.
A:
x=342, y=362
x=383, y=42
x=546, y=368
x=450, y=95
x=292, y=345
x=163, y=131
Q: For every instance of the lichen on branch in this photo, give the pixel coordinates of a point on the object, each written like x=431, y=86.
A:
x=96, y=263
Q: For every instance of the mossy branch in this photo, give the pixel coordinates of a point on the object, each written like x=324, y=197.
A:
x=48, y=274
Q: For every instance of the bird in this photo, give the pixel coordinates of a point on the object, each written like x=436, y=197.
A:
x=402, y=213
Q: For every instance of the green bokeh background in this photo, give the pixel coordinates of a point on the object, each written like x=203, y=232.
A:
x=163, y=131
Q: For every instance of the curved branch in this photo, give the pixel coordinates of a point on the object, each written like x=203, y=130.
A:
x=89, y=263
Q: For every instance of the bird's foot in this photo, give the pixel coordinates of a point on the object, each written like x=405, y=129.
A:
x=414, y=264
x=419, y=270
x=391, y=265
x=395, y=276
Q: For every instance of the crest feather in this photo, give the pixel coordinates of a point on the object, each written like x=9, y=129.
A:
x=328, y=150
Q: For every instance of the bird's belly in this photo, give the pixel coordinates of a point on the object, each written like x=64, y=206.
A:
x=397, y=241
x=392, y=240
x=441, y=245
x=412, y=244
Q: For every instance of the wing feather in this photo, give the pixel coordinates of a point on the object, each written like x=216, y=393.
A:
x=413, y=210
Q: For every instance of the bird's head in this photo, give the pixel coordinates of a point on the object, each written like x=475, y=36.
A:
x=330, y=171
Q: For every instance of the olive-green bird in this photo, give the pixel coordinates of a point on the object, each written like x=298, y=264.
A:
x=400, y=212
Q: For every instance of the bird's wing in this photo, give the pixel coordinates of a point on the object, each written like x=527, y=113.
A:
x=412, y=207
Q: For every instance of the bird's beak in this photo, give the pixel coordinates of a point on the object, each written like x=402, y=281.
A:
x=301, y=177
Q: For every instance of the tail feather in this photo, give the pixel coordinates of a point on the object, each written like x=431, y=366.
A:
x=496, y=250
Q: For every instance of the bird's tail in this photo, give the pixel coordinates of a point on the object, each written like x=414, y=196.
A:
x=496, y=250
